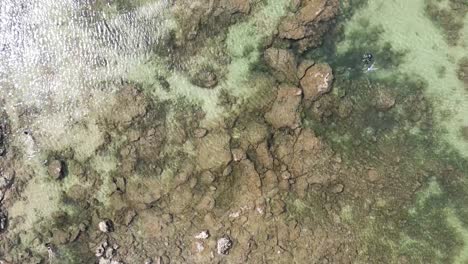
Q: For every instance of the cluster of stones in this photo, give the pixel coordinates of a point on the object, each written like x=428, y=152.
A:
x=308, y=21
x=106, y=253
x=314, y=81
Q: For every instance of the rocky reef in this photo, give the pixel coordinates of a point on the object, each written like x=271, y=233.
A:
x=310, y=161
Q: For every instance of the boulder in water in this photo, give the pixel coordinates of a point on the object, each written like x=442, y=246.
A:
x=224, y=245
x=317, y=81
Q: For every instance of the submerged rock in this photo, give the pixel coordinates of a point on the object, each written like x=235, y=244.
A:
x=283, y=62
x=284, y=112
x=373, y=175
x=100, y=250
x=238, y=154
x=213, y=151
x=236, y=6
x=130, y=103
x=203, y=235
x=3, y=136
x=337, y=188
x=384, y=100
x=106, y=226
x=3, y=220
x=6, y=178
x=205, y=78
x=292, y=28
x=56, y=169
x=303, y=67
x=303, y=155
x=263, y=155
x=200, y=132
x=309, y=23
x=298, y=25
x=224, y=245
x=60, y=236
x=310, y=10
x=317, y=81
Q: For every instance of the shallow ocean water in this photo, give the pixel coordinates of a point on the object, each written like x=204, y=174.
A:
x=111, y=90
x=408, y=28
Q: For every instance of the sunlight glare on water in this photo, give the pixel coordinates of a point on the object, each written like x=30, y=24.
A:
x=55, y=53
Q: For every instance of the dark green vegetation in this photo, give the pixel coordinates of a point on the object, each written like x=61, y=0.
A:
x=449, y=19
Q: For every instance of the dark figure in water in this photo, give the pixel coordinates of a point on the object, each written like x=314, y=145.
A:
x=367, y=58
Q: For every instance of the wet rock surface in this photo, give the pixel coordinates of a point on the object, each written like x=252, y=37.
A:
x=303, y=67
x=3, y=220
x=384, y=100
x=56, y=169
x=213, y=151
x=284, y=112
x=317, y=81
x=283, y=62
x=224, y=245
x=106, y=226
x=206, y=79
x=309, y=23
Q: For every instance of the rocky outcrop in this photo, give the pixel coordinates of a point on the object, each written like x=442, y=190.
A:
x=213, y=151
x=303, y=67
x=384, y=100
x=56, y=169
x=263, y=155
x=309, y=23
x=296, y=26
x=134, y=104
x=284, y=112
x=283, y=63
x=205, y=78
x=224, y=245
x=106, y=226
x=150, y=143
x=252, y=133
x=251, y=179
x=195, y=16
x=235, y=6
x=303, y=155
x=3, y=220
x=317, y=81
